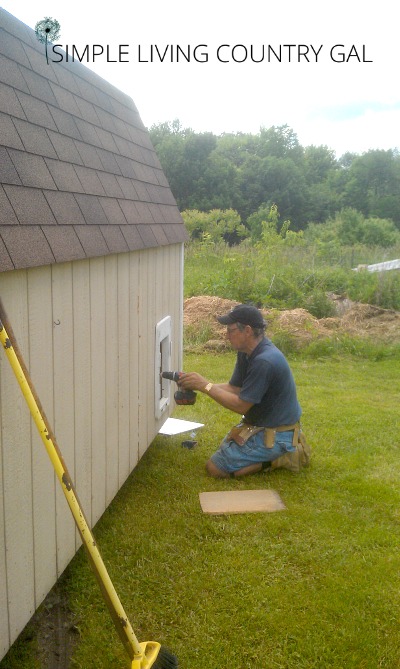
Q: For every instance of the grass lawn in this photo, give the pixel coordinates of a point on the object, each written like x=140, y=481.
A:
x=316, y=586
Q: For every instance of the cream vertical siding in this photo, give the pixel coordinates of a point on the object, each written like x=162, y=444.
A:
x=87, y=333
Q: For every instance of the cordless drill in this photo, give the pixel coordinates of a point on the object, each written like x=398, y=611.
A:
x=180, y=396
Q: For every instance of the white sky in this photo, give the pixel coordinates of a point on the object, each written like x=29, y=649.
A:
x=348, y=106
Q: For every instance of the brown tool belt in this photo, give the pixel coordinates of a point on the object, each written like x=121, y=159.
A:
x=270, y=433
x=243, y=431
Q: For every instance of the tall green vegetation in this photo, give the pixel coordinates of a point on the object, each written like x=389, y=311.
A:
x=278, y=267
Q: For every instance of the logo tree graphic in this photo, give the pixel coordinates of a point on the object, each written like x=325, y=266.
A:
x=47, y=30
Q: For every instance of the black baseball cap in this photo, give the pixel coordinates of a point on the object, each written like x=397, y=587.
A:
x=243, y=313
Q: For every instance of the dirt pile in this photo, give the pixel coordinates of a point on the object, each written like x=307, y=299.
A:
x=357, y=320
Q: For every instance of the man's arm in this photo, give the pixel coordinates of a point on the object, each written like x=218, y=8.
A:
x=223, y=393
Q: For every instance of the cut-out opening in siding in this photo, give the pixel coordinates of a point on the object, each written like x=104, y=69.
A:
x=162, y=364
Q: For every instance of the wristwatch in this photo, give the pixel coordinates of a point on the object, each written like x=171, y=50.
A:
x=208, y=387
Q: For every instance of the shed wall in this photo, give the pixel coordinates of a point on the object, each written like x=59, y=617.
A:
x=86, y=330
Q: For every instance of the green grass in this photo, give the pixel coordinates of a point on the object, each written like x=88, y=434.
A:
x=315, y=586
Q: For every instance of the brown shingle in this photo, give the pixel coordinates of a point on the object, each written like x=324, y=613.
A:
x=92, y=240
x=30, y=205
x=86, y=88
x=144, y=212
x=106, y=140
x=141, y=190
x=27, y=246
x=147, y=235
x=65, y=123
x=90, y=181
x=32, y=170
x=34, y=139
x=161, y=178
x=9, y=103
x=171, y=214
x=64, y=243
x=65, y=100
x=88, y=132
x=5, y=260
x=151, y=158
x=14, y=27
x=37, y=59
x=159, y=234
x=7, y=214
x=36, y=111
x=112, y=210
x=87, y=111
x=132, y=237
x=12, y=47
x=66, y=79
x=114, y=239
x=156, y=213
x=8, y=133
x=110, y=184
x=126, y=166
x=38, y=86
x=11, y=74
x=89, y=155
x=130, y=212
x=64, y=176
x=8, y=173
x=128, y=149
x=91, y=209
x=155, y=193
x=106, y=120
x=108, y=161
x=65, y=148
x=64, y=207
x=127, y=188
x=121, y=127
x=175, y=233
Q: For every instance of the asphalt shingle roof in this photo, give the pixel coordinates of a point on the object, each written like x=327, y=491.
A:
x=79, y=176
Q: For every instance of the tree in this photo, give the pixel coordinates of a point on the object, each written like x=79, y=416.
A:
x=277, y=181
x=281, y=142
x=245, y=171
x=319, y=161
x=373, y=184
x=199, y=176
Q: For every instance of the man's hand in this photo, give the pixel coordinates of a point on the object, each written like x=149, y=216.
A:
x=223, y=393
x=192, y=381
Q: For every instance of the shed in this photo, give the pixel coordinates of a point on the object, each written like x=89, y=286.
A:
x=91, y=276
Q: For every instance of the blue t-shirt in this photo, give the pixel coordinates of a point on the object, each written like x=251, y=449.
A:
x=265, y=379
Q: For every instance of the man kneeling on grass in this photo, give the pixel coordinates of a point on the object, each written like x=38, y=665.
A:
x=263, y=390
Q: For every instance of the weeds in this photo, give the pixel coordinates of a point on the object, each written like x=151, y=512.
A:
x=288, y=277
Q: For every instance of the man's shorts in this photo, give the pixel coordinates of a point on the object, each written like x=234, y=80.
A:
x=230, y=457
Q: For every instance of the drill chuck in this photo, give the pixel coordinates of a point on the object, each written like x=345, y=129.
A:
x=172, y=376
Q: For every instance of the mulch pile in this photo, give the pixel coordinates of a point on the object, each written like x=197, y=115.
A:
x=354, y=319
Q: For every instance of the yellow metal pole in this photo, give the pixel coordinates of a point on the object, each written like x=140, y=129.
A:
x=142, y=655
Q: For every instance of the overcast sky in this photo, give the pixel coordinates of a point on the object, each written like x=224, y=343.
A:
x=328, y=94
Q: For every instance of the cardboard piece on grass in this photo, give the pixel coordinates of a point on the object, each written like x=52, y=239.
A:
x=178, y=426
x=241, y=501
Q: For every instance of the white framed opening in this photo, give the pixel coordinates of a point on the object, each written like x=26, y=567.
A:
x=162, y=364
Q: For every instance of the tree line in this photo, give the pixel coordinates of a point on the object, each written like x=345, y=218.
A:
x=250, y=173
